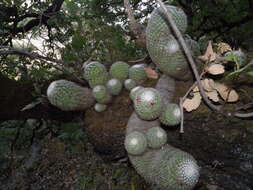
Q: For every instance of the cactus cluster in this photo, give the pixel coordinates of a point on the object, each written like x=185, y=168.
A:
x=167, y=167
x=149, y=105
x=105, y=85
x=158, y=162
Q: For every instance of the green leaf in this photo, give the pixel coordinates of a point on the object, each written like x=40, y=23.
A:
x=250, y=73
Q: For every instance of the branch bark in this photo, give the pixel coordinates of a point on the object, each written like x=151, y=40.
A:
x=136, y=28
x=15, y=95
x=12, y=51
x=39, y=20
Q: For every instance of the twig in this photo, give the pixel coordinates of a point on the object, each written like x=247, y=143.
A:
x=188, y=55
x=182, y=116
x=32, y=55
x=243, y=115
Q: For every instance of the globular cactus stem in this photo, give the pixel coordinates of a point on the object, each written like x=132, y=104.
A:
x=69, y=96
x=165, y=166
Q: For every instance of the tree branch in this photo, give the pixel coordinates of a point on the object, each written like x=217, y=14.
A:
x=137, y=29
x=228, y=26
x=40, y=19
x=32, y=55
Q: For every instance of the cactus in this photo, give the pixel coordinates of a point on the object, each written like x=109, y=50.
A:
x=114, y=86
x=96, y=74
x=137, y=73
x=101, y=94
x=119, y=70
x=134, y=92
x=171, y=115
x=169, y=167
x=69, y=96
x=135, y=143
x=129, y=84
x=100, y=107
x=162, y=46
x=161, y=164
x=148, y=104
x=156, y=137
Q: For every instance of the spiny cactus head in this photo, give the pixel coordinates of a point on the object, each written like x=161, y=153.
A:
x=101, y=94
x=129, y=84
x=171, y=115
x=119, y=70
x=148, y=104
x=136, y=143
x=95, y=73
x=69, y=96
x=99, y=91
x=185, y=171
x=178, y=16
x=134, y=92
x=156, y=137
x=114, y=86
x=137, y=73
x=100, y=107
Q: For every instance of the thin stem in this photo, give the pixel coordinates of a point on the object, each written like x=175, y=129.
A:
x=188, y=55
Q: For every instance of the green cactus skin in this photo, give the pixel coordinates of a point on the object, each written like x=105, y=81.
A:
x=156, y=137
x=134, y=92
x=162, y=46
x=129, y=84
x=100, y=107
x=69, y=96
x=114, y=86
x=101, y=94
x=148, y=104
x=137, y=73
x=106, y=100
x=119, y=70
x=135, y=143
x=169, y=167
x=96, y=74
x=171, y=115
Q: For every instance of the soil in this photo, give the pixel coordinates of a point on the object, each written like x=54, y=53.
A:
x=222, y=146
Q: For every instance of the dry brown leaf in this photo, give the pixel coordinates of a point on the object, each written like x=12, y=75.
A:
x=206, y=83
x=227, y=94
x=213, y=95
x=151, y=73
x=209, y=55
x=196, y=89
x=192, y=104
x=215, y=69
